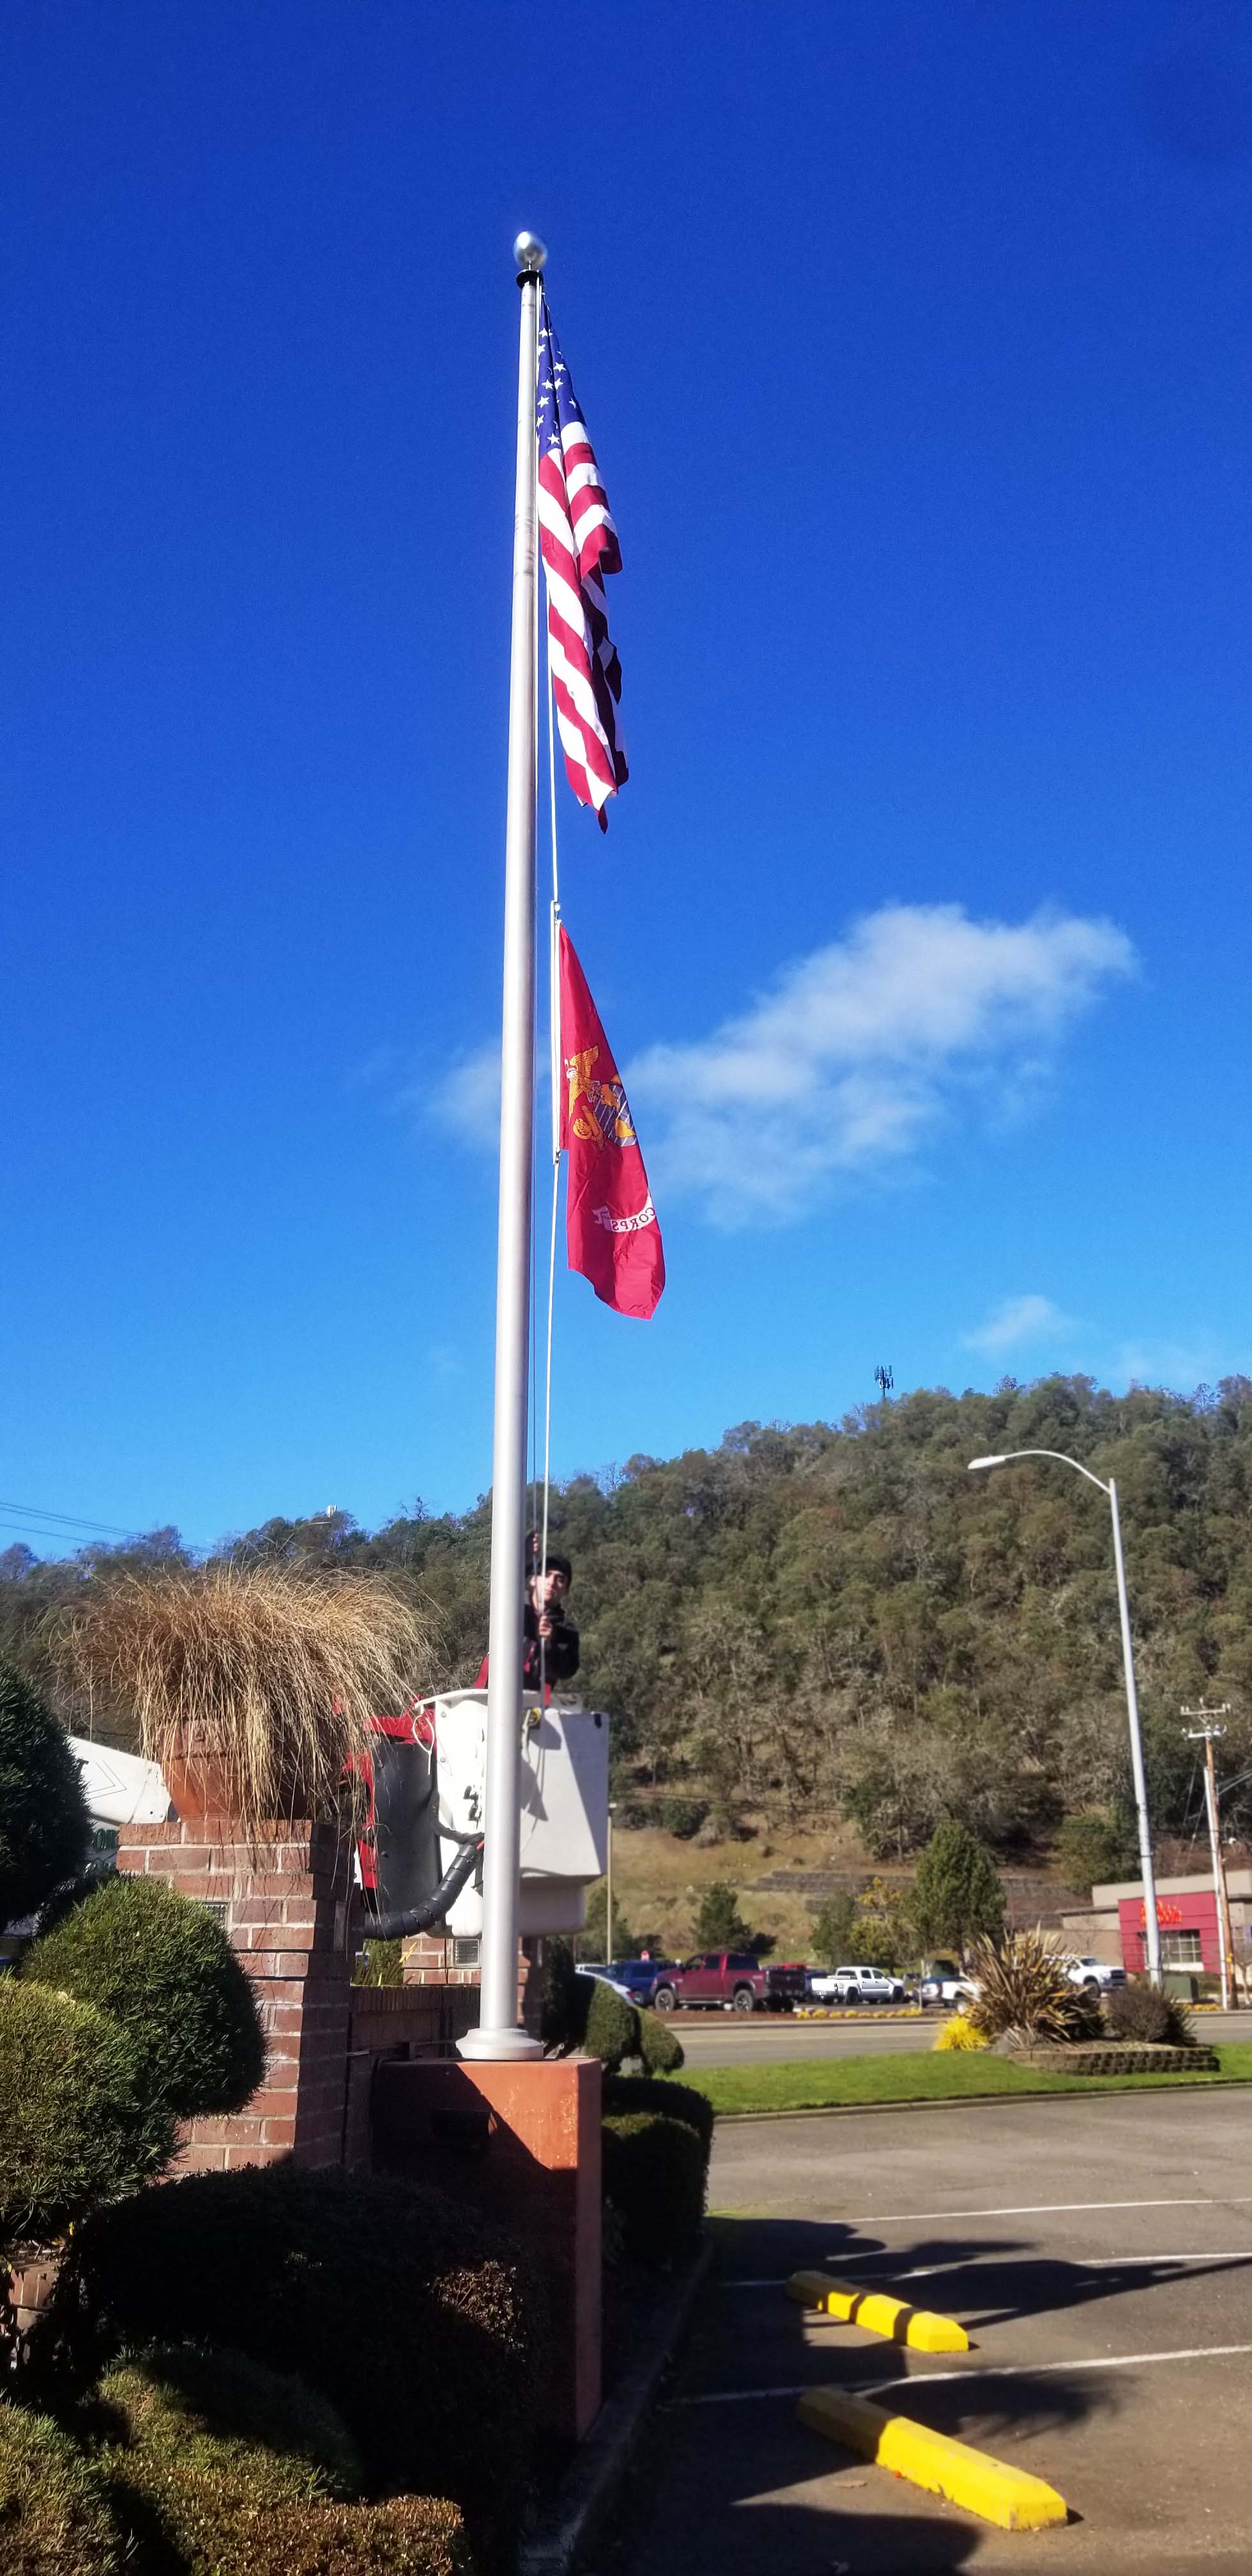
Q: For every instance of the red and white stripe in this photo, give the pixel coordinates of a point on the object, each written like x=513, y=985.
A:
x=579, y=545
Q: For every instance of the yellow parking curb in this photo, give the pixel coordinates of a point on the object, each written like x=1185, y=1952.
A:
x=879, y=2314
x=985, y=2486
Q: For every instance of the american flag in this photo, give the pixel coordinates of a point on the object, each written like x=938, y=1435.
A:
x=579, y=544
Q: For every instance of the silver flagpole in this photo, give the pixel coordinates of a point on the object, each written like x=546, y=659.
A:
x=499, y=2034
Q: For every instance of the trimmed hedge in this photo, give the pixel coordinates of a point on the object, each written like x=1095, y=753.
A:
x=197, y=2403
x=73, y=2130
x=44, y=1824
x=660, y=2047
x=412, y=2317
x=610, y=2026
x=55, y=2518
x=162, y=1965
x=672, y=2101
x=653, y=2174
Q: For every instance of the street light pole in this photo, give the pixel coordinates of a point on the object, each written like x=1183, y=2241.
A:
x=1152, y=1928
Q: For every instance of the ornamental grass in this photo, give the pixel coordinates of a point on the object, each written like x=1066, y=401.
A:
x=270, y=1675
x=1024, y=1995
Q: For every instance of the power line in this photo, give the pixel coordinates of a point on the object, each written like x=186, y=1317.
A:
x=30, y=1512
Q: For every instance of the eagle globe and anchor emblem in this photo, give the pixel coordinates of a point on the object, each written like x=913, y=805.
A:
x=599, y=1114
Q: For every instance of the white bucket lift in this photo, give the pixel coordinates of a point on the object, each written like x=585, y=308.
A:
x=428, y=1798
x=564, y=1805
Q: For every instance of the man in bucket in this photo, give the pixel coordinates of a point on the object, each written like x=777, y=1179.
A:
x=551, y=1654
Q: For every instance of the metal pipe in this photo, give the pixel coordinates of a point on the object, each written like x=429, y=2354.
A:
x=499, y=2034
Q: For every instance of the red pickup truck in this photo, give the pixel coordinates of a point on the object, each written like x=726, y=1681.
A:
x=729, y=1981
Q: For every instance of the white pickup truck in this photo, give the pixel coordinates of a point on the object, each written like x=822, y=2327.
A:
x=1095, y=1975
x=856, y=1986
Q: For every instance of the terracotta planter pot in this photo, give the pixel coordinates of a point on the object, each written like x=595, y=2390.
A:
x=198, y=1780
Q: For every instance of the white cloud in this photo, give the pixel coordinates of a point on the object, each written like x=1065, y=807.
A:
x=860, y=1051
x=1019, y=1321
x=465, y=1100
x=1181, y=1365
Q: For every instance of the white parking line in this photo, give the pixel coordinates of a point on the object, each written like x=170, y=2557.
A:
x=1040, y=2208
x=990, y=2370
x=852, y=2263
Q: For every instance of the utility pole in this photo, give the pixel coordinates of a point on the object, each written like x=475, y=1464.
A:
x=1204, y=1733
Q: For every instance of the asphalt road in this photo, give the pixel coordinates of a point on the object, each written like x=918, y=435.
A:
x=728, y=2039
x=1100, y=2254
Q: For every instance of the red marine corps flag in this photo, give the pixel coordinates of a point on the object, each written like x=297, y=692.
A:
x=611, y=1230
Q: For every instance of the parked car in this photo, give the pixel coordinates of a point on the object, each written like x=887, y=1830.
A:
x=947, y=1986
x=639, y=1978
x=730, y=1981
x=856, y=1986
x=606, y=1977
x=1095, y=1974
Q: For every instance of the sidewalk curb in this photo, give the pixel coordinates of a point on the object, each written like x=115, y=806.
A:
x=596, y=2473
x=1084, y=2091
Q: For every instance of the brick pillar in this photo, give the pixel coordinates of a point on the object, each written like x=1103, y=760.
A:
x=282, y=1893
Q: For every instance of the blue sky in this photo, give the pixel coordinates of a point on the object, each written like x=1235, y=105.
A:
x=914, y=342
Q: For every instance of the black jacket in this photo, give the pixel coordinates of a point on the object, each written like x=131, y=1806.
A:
x=560, y=1652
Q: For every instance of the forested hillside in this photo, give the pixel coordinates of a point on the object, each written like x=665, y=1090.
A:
x=840, y=1622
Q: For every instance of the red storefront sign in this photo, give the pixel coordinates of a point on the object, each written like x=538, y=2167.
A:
x=1178, y=1915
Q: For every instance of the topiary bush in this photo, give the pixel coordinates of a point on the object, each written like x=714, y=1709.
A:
x=44, y=1825
x=235, y=2471
x=55, y=2513
x=1142, y=2012
x=653, y=2176
x=660, y=2047
x=170, y=2397
x=624, y=2093
x=162, y=1965
x=560, y=2002
x=602, y=2024
x=414, y=2318
x=74, y=2128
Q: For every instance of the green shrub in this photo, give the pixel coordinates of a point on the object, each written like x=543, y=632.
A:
x=162, y=1965
x=559, y=1998
x=653, y=2176
x=671, y=2101
x=682, y=1817
x=44, y=1824
x=609, y=2025
x=380, y=1963
x=239, y=2472
x=1142, y=2012
x=413, y=2317
x=172, y=2398
x=660, y=2047
x=73, y=2129
x=55, y=2517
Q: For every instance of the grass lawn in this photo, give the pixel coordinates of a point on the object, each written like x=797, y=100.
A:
x=905, y=2076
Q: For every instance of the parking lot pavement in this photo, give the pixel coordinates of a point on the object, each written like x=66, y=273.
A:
x=770, y=2039
x=1099, y=2253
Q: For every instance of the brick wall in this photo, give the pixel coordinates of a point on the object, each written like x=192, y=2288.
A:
x=283, y=1899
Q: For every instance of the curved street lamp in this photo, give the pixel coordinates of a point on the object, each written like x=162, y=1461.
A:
x=1151, y=1926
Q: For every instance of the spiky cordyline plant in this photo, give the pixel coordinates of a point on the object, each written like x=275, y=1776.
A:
x=270, y=1675
x=1024, y=1993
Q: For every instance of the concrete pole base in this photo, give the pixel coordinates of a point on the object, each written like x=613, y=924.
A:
x=507, y=2047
